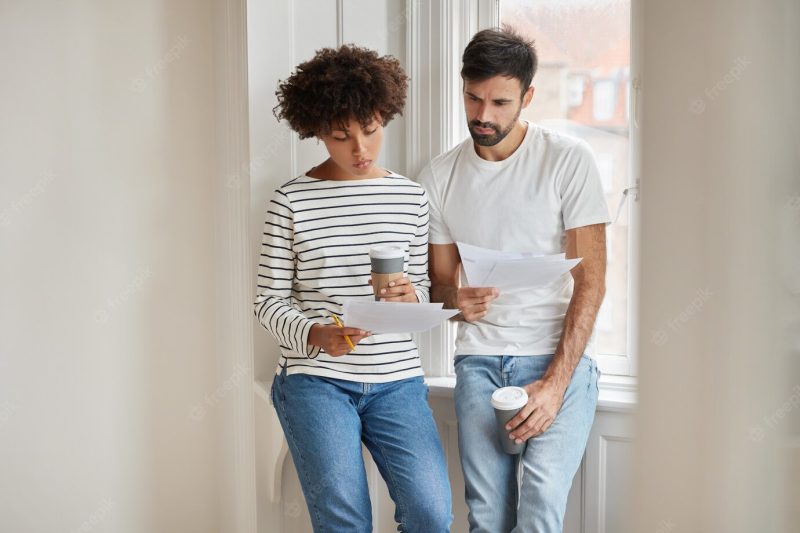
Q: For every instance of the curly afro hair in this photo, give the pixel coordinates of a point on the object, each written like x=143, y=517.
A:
x=337, y=84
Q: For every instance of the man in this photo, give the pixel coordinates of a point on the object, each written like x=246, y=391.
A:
x=517, y=187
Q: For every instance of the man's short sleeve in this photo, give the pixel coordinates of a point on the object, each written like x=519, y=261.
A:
x=437, y=228
x=583, y=202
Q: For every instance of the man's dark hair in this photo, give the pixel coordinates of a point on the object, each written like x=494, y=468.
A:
x=499, y=51
x=339, y=83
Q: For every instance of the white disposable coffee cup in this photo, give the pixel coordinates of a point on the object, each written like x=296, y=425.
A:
x=387, y=265
x=507, y=402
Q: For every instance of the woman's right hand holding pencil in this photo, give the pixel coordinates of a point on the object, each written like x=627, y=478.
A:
x=333, y=339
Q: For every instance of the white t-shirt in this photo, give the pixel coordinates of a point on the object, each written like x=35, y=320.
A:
x=522, y=204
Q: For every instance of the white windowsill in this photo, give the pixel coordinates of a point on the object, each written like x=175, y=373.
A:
x=617, y=393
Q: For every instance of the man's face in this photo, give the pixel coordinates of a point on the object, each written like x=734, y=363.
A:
x=493, y=107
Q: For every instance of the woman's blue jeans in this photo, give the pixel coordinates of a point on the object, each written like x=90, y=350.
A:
x=325, y=421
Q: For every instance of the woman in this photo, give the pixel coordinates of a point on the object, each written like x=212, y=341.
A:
x=319, y=228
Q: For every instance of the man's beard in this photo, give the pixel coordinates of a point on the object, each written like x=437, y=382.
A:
x=491, y=139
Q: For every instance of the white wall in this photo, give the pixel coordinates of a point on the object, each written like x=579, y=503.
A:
x=719, y=425
x=106, y=238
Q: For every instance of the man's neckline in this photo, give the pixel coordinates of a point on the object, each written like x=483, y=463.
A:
x=477, y=157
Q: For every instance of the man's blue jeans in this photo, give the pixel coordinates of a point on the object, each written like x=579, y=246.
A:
x=498, y=501
x=325, y=421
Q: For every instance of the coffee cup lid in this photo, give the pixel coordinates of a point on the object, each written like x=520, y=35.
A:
x=386, y=251
x=509, y=398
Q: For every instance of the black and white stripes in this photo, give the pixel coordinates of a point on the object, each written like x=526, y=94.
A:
x=314, y=255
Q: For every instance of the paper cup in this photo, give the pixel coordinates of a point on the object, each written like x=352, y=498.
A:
x=387, y=266
x=507, y=402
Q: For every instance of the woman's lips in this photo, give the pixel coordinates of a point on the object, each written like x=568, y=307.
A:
x=363, y=164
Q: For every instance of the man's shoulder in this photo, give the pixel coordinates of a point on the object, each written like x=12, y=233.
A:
x=440, y=167
x=557, y=142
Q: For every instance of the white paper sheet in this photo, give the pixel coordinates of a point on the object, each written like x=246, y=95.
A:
x=476, y=253
x=510, y=270
x=394, y=317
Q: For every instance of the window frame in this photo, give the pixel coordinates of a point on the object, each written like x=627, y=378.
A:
x=437, y=33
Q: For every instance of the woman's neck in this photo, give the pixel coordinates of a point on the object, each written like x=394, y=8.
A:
x=329, y=170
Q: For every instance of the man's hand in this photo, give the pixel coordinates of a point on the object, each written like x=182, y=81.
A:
x=544, y=402
x=331, y=338
x=474, y=302
x=399, y=290
x=444, y=263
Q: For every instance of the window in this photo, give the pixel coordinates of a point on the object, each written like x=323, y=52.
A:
x=587, y=43
x=604, y=100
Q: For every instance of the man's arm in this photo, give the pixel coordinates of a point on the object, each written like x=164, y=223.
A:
x=547, y=394
x=473, y=302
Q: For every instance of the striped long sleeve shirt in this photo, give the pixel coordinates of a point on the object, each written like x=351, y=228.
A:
x=315, y=255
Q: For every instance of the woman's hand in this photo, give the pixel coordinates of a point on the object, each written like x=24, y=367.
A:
x=331, y=338
x=399, y=290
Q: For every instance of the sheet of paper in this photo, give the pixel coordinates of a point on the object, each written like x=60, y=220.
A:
x=477, y=253
x=515, y=274
x=477, y=271
x=394, y=317
x=506, y=270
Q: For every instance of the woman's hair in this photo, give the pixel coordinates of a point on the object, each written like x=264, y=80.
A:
x=337, y=84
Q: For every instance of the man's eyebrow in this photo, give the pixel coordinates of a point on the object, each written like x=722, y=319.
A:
x=496, y=100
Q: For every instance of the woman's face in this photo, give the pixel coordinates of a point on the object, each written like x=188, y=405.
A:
x=355, y=149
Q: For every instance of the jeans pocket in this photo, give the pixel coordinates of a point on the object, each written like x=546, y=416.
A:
x=277, y=392
x=592, y=373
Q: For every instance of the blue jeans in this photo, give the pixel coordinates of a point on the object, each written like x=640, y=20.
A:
x=325, y=421
x=499, y=501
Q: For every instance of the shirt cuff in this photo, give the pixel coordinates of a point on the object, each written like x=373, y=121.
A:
x=304, y=348
x=423, y=296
